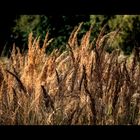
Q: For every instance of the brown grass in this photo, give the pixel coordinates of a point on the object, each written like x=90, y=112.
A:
x=83, y=85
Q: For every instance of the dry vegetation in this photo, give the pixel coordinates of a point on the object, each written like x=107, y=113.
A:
x=83, y=85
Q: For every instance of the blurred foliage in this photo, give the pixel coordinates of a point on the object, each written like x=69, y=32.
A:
x=129, y=25
x=25, y=24
x=129, y=36
x=60, y=27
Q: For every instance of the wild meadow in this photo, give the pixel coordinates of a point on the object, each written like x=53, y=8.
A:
x=83, y=85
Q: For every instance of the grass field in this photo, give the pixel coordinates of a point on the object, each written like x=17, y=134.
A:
x=81, y=86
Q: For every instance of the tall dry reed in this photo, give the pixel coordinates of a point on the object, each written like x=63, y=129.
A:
x=83, y=85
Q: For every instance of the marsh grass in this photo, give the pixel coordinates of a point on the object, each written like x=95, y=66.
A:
x=83, y=85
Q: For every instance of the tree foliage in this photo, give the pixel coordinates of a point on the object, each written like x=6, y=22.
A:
x=60, y=27
x=129, y=31
x=129, y=26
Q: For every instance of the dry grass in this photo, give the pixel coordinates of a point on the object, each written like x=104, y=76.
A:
x=83, y=85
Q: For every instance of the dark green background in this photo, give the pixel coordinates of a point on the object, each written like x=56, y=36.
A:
x=15, y=29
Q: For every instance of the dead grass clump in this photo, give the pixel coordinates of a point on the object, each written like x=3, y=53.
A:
x=83, y=85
